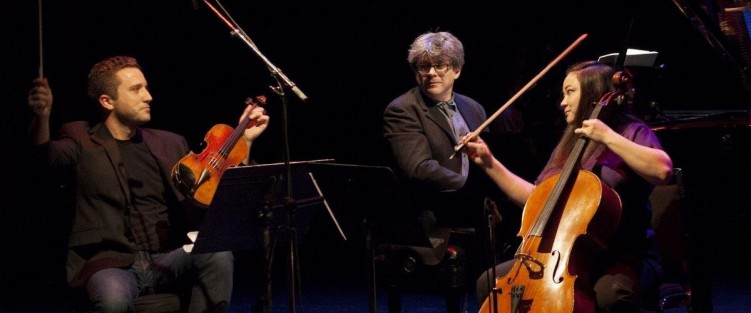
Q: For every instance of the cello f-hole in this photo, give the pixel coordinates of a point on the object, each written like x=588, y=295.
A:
x=557, y=277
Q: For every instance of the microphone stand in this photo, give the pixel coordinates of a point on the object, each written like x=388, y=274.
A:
x=289, y=202
x=275, y=71
x=490, y=209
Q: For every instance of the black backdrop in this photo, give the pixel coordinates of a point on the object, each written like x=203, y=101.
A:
x=349, y=58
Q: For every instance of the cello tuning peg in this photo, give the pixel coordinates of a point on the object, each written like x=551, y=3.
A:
x=622, y=80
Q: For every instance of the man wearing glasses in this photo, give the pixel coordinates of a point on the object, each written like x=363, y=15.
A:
x=422, y=126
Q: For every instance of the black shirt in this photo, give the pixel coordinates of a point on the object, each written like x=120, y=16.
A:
x=148, y=217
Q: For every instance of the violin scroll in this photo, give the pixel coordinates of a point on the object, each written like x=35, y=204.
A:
x=258, y=101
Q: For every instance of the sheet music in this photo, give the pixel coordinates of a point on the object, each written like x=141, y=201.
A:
x=634, y=57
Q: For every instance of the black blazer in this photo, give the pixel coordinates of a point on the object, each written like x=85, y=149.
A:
x=98, y=236
x=421, y=139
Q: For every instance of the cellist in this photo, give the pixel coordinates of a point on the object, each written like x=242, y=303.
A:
x=624, y=153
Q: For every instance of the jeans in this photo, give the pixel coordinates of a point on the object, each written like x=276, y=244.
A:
x=210, y=277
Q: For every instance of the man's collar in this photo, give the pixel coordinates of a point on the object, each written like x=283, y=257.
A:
x=449, y=102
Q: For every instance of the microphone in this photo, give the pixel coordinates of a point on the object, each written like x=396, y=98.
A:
x=290, y=84
x=491, y=208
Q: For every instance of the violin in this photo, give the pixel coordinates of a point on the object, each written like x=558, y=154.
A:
x=197, y=175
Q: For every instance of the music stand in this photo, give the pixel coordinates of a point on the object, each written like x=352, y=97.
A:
x=243, y=210
x=372, y=195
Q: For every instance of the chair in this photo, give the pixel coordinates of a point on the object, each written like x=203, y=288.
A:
x=158, y=303
x=671, y=238
x=408, y=269
x=152, y=303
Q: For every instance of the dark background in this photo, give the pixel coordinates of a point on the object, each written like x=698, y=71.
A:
x=350, y=59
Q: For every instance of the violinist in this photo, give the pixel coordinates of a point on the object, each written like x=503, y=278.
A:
x=127, y=238
x=625, y=154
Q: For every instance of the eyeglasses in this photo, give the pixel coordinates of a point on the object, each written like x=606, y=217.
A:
x=440, y=68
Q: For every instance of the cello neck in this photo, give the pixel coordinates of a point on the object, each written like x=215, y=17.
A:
x=570, y=168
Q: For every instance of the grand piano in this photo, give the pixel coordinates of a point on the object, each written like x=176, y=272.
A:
x=709, y=137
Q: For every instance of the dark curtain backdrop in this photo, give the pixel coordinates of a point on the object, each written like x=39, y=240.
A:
x=350, y=59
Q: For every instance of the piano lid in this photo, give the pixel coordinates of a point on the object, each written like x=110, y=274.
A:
x=704, y=77
x=704, y=59
x=685, y=119
x=725, y=26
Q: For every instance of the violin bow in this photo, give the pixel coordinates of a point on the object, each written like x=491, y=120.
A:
x=518, y=94
x=41, y=50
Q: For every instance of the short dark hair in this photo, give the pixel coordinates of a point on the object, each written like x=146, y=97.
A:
x=102, y=79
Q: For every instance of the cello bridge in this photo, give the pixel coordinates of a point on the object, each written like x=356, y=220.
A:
x=534, y=267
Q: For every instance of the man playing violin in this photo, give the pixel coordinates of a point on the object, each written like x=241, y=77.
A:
x=127, y=232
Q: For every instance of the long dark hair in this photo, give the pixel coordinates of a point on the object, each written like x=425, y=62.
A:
x=595, y=79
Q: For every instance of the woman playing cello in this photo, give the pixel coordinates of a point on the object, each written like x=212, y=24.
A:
x=626, y=156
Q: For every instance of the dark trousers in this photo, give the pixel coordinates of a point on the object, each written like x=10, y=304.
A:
x=210, y=279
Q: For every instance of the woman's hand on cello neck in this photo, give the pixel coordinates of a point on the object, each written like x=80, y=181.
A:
x=652, y=164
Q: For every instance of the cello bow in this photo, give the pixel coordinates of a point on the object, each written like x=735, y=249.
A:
x=516, y=96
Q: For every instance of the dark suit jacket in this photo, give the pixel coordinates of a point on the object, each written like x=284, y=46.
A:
x=99, y=234
x=421, y=139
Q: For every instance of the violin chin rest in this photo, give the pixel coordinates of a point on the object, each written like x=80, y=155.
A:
x=184, y=179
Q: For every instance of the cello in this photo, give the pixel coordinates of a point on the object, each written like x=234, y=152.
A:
x=568, y=217
x=197, y=175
